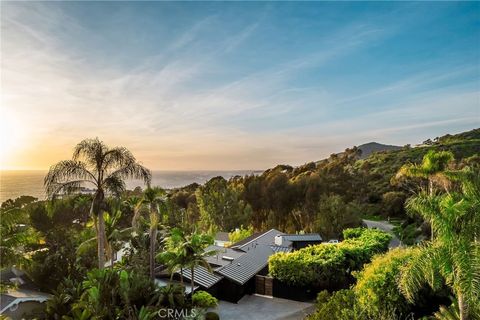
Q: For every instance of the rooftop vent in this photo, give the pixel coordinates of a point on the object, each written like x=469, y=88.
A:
x=227, y=258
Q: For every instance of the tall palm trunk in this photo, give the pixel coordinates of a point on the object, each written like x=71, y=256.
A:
x=462, y=307
x=153, y=238
x=97, y=211
x=101, y=240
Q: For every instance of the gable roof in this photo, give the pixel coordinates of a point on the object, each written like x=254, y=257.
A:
x=266, y=238
x=302, y=237
x=248, y=265
x=202, y=276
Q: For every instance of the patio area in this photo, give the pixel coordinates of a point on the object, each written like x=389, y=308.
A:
x=266, y=308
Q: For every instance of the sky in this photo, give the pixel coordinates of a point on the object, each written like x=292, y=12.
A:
x=230, y=85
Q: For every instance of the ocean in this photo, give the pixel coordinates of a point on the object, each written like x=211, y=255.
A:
x=17, y=183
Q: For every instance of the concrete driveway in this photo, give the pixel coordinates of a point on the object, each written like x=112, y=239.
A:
x=255, y=307
x=387, y=227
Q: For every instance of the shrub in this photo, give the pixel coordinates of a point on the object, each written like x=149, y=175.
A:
x=393, y=203
x=204, y=299
x=338, y=306
x=320, y=265
x=377, y=290
x=329, y=266
x=240, y=234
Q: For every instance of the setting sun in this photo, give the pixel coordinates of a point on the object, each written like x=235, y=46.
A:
x=12, y=133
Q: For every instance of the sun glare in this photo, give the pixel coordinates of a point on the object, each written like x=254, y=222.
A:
x=10, y=136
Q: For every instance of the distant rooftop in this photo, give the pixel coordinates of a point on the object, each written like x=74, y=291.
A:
x=266, y=238
x=302, y=237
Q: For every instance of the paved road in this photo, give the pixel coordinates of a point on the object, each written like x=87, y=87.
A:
x=254, y=307
x=387, y=227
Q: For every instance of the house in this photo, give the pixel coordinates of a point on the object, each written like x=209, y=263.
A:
x=25, y=298
x=234, y=270
x=298, y=241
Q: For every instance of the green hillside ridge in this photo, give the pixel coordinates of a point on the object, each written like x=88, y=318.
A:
x=325, y=196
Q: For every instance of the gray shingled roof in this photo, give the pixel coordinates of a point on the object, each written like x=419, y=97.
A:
x=203, y=277
x=266, y=238
x=302, y=237
x=248, y=265
x=218, y=260
x=280, y=249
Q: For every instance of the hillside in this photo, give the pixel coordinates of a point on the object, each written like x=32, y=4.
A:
x=371, y=147
x=383, y=165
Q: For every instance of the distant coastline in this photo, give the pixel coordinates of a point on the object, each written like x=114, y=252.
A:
x=15, y=183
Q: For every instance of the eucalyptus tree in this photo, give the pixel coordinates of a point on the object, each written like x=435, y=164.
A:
x=100, y=167
x=453, y=254
x=154, y=199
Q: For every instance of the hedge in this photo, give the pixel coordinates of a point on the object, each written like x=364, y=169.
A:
x=329, y=265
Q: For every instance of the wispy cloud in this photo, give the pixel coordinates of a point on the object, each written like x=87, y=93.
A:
x=193, y=102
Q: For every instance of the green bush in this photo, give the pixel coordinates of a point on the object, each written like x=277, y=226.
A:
x=377, y=290
x=327, y=265
x=240, y=234
x=204, y=299
x=338, y=306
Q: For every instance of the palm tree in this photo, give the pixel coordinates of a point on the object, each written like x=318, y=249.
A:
x=113, y=235
x=453, y=255
x=154, y=198
x=135, y=204
x=195, y=253
x=433, y=165
x=14, y=236
x=174, y=254
x=82, y=204
x=103, y=168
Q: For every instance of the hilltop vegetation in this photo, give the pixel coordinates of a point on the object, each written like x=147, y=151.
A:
x=340, y=189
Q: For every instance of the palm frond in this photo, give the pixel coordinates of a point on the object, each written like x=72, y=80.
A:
x=91, y=150
x=421, y=269
x=63, y=172
x=467, y=270
x=117, y=157
x=67, y=187
x=115, y=185
x=133, y=170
